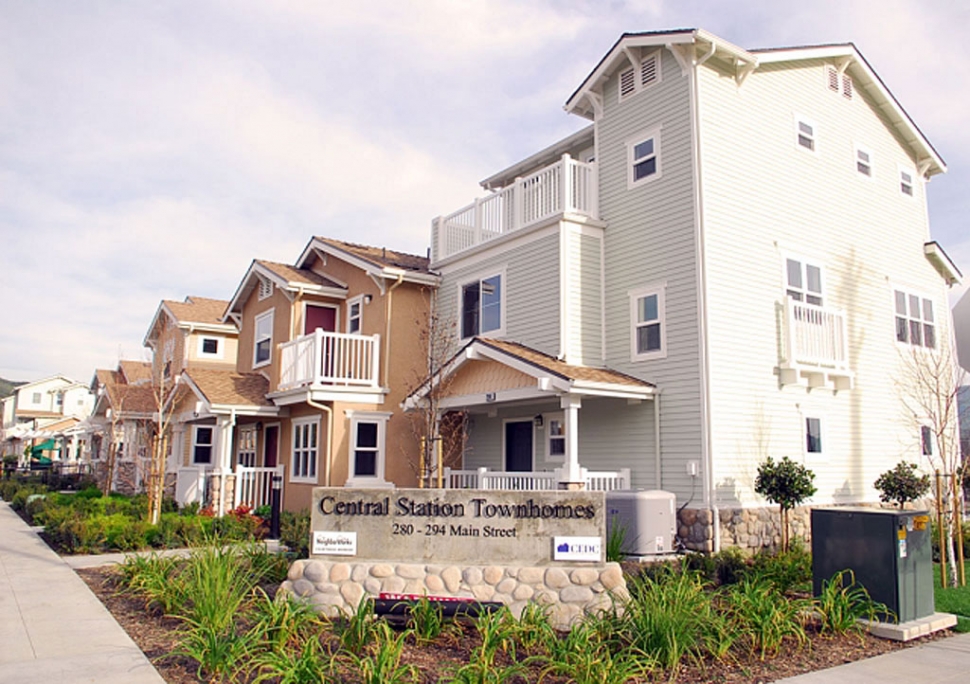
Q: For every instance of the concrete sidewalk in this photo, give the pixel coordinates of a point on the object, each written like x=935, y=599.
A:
x=52, y=628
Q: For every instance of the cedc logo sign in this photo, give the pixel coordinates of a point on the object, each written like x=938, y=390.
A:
x=577, y=549
x=334, y=543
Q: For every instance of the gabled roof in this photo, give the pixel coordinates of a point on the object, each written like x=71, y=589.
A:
x=285, y=277
x=551, y=374
x=375, y=261
x=68, y=382
x=134, y=372
x=129, y=401
x=225, y=391
x=584, y=100
x=195, y=313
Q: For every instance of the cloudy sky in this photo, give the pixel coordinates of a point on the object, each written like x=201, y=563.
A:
x=150, y=150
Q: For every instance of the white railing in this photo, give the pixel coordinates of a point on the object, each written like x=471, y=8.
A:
x=815, y=336
x=568, y=186
x=254, y=486
x=330, y=358
x=600, y=481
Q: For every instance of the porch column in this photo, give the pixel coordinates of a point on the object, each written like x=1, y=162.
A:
x=224, y=460
x=571, y=472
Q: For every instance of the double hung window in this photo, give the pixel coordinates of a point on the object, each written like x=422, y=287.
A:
x=648, y=328
x=914, y=320
x=263, y=339
x=306, y=436
x=481, y=306
x=643, y=157
x=202, y=443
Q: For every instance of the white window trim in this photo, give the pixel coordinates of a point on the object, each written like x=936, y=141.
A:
x=799, y=119
x=659, y=289
x=485, y=275
x=547, y=420
x=823, y=438
x=912, y=183
x=211, y=445
x=908, y=344
x=256, y=340
x=871, y=163
x=804, y=261
x=359, y=301
x=376, y=480
x=295, y=424
x=220, y=345
x=638, y=86
x=631, y=143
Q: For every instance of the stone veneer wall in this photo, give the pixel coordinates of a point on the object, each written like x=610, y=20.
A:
x=750, y=529
x=569, y=590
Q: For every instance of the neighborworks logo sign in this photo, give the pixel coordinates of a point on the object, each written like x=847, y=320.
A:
x=334, y=543
x=577, y=549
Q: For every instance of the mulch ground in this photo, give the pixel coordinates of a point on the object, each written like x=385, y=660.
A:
x=156, y=635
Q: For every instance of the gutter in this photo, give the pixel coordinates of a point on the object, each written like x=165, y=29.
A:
x=328, y=456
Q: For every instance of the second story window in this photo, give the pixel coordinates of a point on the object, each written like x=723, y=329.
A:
x=804, y=281
x=914, y=320
x=648, y=329
x=863, y=161
x=355, y=315
x=805, y=134
x=643, y=157
x=906, y=182
x=209, y=347
x=35, y=398
x=481, y=306
x=813, y=435
x=263, y=339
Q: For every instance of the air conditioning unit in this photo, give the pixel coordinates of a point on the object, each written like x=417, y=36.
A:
x=647, y=518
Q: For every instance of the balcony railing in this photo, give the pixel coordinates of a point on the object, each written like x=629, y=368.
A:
x=568, y=186
x=815, y=336
x=596, y=480
x=330, y=358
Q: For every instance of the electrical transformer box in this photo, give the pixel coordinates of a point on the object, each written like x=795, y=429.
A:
x=648, y=520
x=889, y=552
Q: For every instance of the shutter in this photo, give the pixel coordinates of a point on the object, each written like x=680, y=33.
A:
x=648, y=70
x=833, y=79
x=846, y=87
x=627, y=83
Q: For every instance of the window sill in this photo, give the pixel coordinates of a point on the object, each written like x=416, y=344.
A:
x=368, y=482
x=303, y=480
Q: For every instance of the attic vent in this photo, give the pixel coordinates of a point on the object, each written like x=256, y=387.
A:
x=649, y=69
x=839, y=83
x=265, y=288
x=627, y=83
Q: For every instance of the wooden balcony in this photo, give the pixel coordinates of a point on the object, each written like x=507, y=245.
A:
x=330, y=359
x=566, y=187
x=816, y=350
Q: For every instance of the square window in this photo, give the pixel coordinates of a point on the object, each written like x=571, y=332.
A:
x=914, y=317
x=481, y=306
x=813, y=435
x=209, y=346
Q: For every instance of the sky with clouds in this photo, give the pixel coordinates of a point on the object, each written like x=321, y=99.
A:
x=150, y=151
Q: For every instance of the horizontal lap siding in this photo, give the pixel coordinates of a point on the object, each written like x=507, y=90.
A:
x=765, y=199
x=531, y=291
x=650, y=240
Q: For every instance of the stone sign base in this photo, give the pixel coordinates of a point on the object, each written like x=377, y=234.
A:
x=568, y=590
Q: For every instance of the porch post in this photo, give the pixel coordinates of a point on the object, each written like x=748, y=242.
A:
x=224, y=427
x=572, y=476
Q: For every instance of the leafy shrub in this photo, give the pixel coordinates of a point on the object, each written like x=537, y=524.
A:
x=902, y=484
x=295, y=532
x=785, y=483
x=765, y=617
x=787, y=570
x=841, y=604
x=728, y=566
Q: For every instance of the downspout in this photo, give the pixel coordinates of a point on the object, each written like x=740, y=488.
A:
x=327, y=456
x=706, y=450
x=387, y=331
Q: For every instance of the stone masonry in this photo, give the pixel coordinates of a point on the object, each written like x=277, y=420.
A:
x=336, y=588
x=750, y=529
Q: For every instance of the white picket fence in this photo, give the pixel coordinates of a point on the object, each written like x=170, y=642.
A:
x=544, y=480
x=254, y=486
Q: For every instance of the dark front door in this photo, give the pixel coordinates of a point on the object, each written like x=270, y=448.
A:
x=271, y=446
x=323, y=317
x=518, y=446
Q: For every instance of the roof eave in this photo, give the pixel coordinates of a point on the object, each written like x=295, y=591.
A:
x=369, y=267
x=943, y=263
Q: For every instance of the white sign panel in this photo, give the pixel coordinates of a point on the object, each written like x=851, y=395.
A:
x=335, y=543
x=577, y=549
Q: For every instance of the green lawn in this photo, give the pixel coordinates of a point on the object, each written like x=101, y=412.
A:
x=956, y=601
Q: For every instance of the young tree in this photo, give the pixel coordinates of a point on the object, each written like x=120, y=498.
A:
x=167, y=394
x=928, y=383
x=787, y=484
x=902, y=484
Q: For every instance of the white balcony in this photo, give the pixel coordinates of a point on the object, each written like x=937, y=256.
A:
x=543, y=480
x=566, y=187
x=330, y=359
x=816, y=346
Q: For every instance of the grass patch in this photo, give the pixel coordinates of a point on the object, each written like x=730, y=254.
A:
x=954, y=600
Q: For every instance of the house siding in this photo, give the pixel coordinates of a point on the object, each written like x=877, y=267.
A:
x=765, y=199
x=583, y=275
x=650, y=240
x=532, y=287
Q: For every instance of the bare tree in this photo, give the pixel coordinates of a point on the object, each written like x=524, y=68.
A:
x=167, y=394
x=441, y=434
x=929, y=386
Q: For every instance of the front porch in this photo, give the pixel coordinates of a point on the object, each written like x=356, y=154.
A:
x=544, y=480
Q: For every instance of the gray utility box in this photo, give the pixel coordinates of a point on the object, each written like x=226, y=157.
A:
x=889, y=552
x=649, y=519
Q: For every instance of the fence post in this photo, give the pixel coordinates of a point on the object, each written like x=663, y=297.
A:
x=567, y=183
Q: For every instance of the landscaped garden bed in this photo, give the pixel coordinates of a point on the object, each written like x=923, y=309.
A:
x=212, y=617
